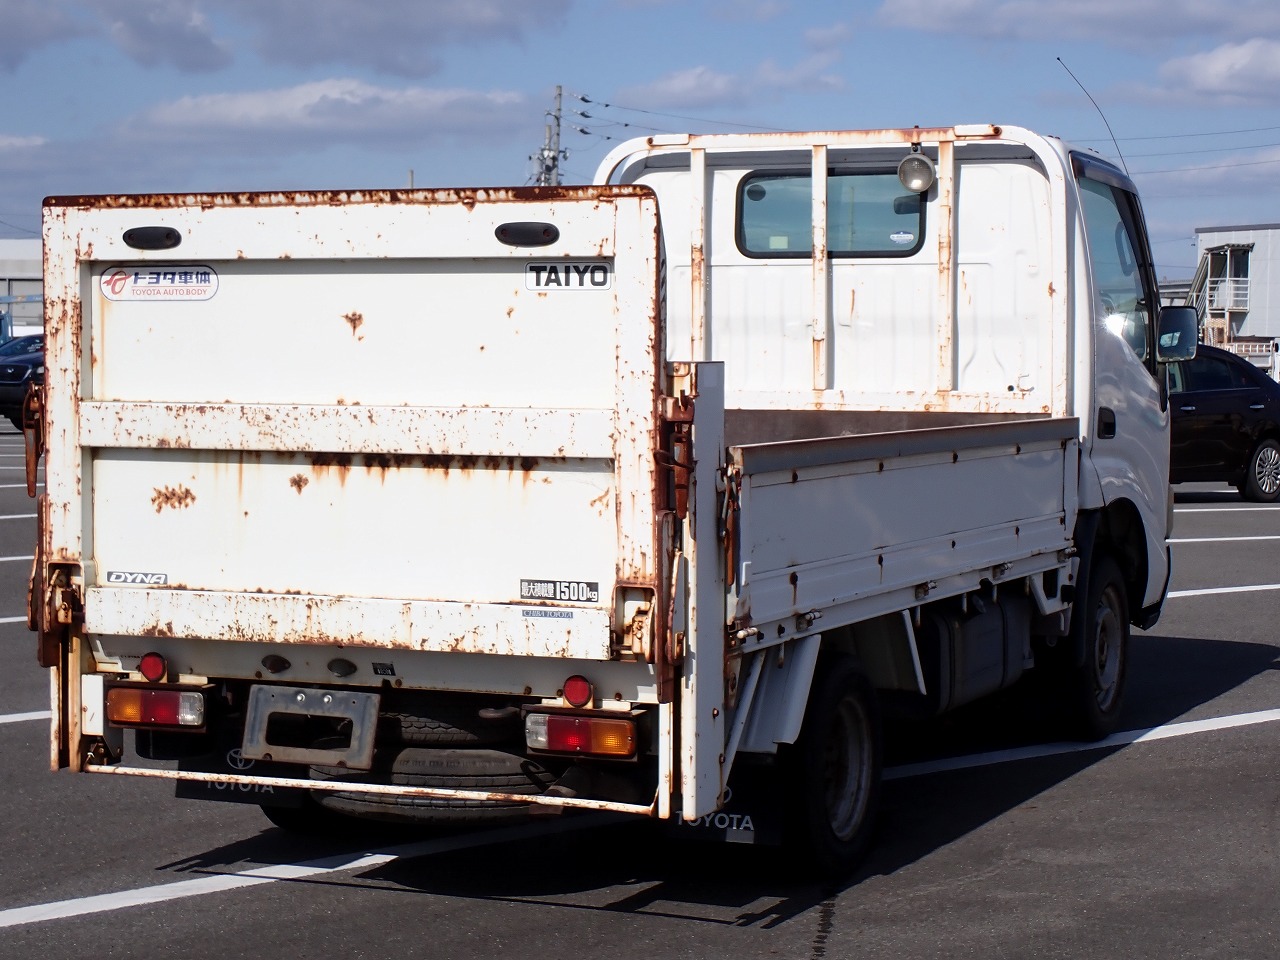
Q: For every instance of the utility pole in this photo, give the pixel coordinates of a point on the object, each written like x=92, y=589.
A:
x=547, y=160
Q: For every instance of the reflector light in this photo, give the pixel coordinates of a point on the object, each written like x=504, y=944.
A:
x=153, y=667
x=577, y=691
x=140, y=707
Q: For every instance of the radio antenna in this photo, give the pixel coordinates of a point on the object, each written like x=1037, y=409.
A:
x=1100, y=113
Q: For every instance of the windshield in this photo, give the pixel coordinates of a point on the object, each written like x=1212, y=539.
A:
x=20, y=345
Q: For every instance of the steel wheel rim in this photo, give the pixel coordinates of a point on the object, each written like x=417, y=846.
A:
x=847, y=769
x=1108, y=647
x=1266, y=470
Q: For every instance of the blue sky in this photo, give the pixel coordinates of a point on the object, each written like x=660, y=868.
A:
x=109, y=96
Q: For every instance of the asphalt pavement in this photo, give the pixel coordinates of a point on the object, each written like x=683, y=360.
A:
x=1160, y=843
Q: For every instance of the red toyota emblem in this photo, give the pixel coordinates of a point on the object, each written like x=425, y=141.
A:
x=114, y=281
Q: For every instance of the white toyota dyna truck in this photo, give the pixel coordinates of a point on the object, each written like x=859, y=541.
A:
x=653, y=496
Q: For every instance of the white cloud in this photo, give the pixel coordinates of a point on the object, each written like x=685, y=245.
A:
x=336, y=111
x=829, y=38
x=1127, y=23
x=702, y=86
x=28, y=25
x=399, y=37
x=155, y=32
x=9, y=142
x=1234, y=73
x=690, y=88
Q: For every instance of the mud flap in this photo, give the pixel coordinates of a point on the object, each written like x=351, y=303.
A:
x=227, y=759
x=753, y=813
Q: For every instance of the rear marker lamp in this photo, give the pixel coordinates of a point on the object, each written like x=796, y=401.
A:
x=129, y=706
x=153, y=667
x=585, y=736
x=577, y=691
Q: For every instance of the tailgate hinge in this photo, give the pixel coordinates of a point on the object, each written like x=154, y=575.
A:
x=678, y=457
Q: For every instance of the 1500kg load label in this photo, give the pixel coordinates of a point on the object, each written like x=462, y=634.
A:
x=569, y=275
x=562, y=591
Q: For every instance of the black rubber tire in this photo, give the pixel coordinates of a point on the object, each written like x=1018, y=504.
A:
x=1092, y=682
x=1262, y=479
x=445, y=722
x=445, y=768
x=833, y=771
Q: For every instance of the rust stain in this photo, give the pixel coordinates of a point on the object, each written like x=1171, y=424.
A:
x=339, y=462
x=177, y=498
x=298, y=481
x=355, y=318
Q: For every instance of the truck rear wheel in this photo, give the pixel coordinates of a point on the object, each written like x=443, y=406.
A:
x=1093, y=684
x=835, y=767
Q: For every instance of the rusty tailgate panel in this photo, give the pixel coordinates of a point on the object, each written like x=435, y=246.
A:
x=356, y=418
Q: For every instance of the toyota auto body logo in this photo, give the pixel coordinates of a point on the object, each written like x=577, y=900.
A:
x=169, y=282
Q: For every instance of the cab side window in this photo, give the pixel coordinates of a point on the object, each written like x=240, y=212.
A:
x=1117, y=268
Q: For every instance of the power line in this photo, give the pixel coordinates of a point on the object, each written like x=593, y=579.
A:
x=1182, y=136
x=14, y=226
x=1211, y=166
x=674, y=116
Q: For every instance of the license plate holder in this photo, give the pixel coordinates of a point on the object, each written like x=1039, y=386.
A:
x=265, y=702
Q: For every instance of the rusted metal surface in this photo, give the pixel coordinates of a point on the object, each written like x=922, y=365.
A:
x=946, y=311
x=469, y=198
x=527, y=629
x=820, y=320
x=173, y=498
x=376, y=789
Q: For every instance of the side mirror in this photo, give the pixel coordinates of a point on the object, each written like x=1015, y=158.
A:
x=1178, y=329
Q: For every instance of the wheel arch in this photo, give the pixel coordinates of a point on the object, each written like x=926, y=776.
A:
x=1116, y=530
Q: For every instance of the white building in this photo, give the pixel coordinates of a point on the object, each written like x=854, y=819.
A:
x=21, y=269
x=1237, y=281
x=1236, y=290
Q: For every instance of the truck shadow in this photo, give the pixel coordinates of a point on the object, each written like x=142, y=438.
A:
x=631, y=868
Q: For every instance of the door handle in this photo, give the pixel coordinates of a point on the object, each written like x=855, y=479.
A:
x=1106, y=423
x=1257, y=406
x=1187, y=409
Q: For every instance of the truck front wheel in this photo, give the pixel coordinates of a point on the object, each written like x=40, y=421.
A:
x=835, y=767
x=1094, y=681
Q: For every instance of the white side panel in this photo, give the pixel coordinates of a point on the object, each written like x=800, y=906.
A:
x=855, y=527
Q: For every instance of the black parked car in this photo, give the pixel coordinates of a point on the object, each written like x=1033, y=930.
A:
x=21, y=364
x=1226, y=424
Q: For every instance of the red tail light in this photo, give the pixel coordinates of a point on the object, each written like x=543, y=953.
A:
x=138, y=706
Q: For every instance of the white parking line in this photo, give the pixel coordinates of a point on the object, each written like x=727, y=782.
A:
x=1209, y=591
x=1195, y=539
x=1220, y=509
x=182, y=889
x=1055, y=749
x=142, y=896
x=20, y=717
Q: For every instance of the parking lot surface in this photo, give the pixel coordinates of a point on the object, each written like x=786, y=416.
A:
x=1159, y=843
